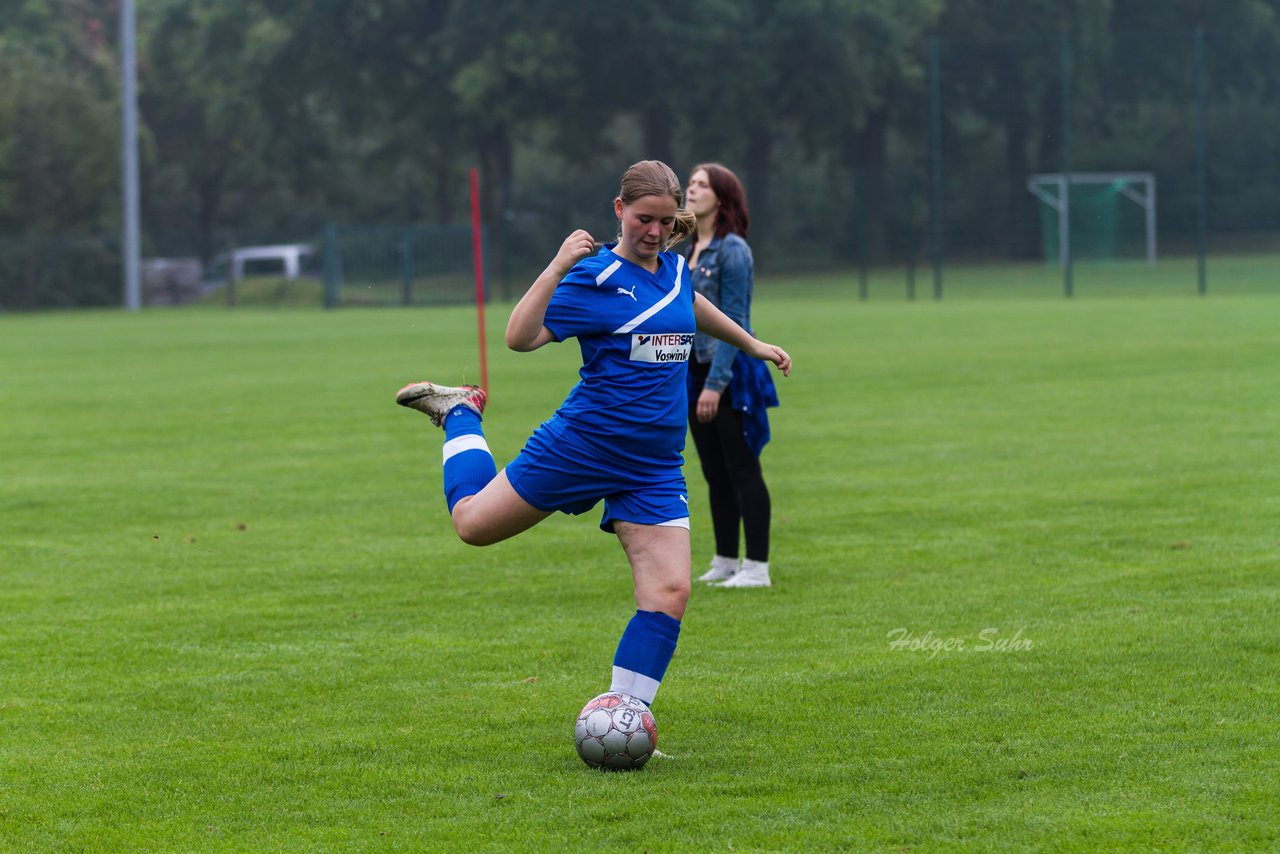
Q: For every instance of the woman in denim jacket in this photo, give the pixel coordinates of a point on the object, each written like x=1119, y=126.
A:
x=728, y=390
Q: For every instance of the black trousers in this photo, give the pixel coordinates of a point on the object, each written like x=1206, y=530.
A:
x=739, y=497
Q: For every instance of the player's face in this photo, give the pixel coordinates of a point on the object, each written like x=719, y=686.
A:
x=699, y=197
x=646, y=226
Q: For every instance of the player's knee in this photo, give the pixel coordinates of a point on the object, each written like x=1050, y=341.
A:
x=675, y=593
x=474, y=538
x=471, y=533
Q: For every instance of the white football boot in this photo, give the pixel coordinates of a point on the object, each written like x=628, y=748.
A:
x=437, y=400
x=721, y=568
x=754, y=573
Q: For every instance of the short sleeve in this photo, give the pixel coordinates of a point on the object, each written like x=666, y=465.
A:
x=573, y=310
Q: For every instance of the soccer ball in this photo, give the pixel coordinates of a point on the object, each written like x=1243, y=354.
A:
x=615, y=732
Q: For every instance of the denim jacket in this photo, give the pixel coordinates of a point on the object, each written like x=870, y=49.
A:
x=723, y=276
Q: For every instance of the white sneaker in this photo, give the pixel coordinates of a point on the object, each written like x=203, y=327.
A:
x=754, y=573
x=721, y=568
x=436, y=400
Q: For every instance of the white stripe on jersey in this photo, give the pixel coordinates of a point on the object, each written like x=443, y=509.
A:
x=657, y=306
x=608, y=271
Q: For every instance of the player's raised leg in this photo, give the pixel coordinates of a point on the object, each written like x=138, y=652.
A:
x=659, y=557
x=483, y=506
x=494, y=514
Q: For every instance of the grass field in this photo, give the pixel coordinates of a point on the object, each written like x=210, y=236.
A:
x=1026, y=564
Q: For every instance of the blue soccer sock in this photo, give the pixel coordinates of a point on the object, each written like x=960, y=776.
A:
x=643, y=654
x=468, y=465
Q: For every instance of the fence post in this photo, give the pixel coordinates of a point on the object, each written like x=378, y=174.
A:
x=406, y=265
x=1202, y=202
x=233, y=275
x=332, y=276
x=1064, y=242
x=913, y=234
x=860, y=234
x=935, y=139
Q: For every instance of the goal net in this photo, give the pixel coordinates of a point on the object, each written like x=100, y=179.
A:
x=1096, y=216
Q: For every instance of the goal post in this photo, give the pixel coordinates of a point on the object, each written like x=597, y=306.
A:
x=1085, y=215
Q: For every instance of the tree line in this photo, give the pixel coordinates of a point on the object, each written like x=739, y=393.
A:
x=265, y=119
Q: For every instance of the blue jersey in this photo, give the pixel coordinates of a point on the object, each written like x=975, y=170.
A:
x=636, y=331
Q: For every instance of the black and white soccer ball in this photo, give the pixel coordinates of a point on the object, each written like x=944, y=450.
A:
x=616, y=732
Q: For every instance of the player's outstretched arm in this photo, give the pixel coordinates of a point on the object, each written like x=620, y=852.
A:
x=525, y=331
x=715, y=323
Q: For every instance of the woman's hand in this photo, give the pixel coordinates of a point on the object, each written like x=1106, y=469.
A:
x=777, y=355
x=525, y=329
x=576, y=246
x=708, y=405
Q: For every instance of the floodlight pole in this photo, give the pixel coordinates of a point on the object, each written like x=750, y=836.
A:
x=129, y=155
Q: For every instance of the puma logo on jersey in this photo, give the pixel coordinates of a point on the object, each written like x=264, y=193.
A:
x=631, y=293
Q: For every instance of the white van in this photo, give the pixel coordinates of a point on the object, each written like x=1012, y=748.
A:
x=286, y=261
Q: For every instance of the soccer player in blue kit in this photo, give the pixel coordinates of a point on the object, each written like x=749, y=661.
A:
x=619, y=436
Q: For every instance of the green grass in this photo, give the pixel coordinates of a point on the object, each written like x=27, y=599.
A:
x=233, y=615
x=309, y=292
x=265, y=292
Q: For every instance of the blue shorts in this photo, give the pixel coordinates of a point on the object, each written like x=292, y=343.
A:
x=552, y=472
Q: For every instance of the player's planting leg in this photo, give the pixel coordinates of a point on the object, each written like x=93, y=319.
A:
x=659, y=558
x=644, y=652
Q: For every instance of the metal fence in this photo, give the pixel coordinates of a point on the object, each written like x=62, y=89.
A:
x=950, y=181
x=1160, y=133
x=1161, y=139
x=398, y=265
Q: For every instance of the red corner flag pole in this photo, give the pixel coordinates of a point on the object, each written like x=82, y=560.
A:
x=477, y=255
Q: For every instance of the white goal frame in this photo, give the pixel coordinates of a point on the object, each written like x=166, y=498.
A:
x=1140, y=188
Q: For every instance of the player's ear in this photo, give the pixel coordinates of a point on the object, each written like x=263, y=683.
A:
x=617, y=207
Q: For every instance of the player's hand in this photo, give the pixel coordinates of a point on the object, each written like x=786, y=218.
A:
x=776, y=355
x=576, y=246
x=708, y=405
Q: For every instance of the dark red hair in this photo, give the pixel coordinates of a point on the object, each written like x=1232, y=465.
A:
x=733, y=216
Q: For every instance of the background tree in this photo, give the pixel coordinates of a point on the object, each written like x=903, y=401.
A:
x=371, y=86
x=823, y=80
x=268, y=119
x=58, y=155
x=205, y=96
x=1002, y=64
x=57, y=120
